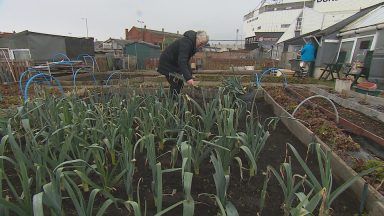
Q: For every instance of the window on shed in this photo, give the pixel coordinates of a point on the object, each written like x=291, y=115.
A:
x=20, y=54
x=347, y=47
x=362, y=46
x=285, y=25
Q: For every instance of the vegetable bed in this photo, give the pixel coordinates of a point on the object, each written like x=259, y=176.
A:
x=152, y=154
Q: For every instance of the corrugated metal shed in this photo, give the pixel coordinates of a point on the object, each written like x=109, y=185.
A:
x=142, y=51
x=44, y=46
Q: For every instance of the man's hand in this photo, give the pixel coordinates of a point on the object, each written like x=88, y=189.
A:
x=191, y=82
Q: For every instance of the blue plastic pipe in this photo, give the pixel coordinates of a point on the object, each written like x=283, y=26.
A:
x=30, y=81
x=30, y=70
x=258, y=80
x=75, y=75
x=110, y=76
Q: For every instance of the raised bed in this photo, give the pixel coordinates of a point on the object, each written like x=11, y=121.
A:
x=354, y=105
x=375, y=200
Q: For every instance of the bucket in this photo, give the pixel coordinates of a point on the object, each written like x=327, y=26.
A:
x=341, y=85
x=370, y=86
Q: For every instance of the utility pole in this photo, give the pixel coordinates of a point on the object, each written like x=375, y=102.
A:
x=241, y=41
x=86, y=24
x=237, y=36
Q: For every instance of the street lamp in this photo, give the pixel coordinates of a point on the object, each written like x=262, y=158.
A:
x=86, y=24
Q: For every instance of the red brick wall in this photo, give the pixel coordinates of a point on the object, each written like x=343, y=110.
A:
x=136, y=35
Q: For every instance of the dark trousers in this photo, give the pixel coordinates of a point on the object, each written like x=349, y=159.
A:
x=175, y=84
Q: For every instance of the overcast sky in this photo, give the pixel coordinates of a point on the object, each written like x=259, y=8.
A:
x=109, y=18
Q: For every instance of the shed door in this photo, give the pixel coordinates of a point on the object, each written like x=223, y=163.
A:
x=362, y=46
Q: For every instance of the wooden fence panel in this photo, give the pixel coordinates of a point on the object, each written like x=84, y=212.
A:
x=102, y=63
x=10, y=71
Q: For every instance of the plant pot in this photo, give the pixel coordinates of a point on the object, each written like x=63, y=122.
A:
x=341, y=85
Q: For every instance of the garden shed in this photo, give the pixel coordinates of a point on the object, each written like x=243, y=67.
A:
x=143, y=51
x=43, y=47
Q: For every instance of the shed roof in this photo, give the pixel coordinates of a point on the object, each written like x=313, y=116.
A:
x=337, y=26
x=372, y=18
x=342, y=24
x=145, y=44
x=26, y=32
x=120, y=42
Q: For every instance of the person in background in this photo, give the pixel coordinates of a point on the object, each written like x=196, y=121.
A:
x=174, y=61
x=308, y=55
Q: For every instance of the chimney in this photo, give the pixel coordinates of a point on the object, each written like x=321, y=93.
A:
x=145, y=28
x=162, y=29
x=126, y=34
x=177, y=31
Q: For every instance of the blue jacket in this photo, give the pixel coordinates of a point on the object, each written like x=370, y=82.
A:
x=308, y=53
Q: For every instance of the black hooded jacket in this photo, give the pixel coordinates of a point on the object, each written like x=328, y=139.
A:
x=175, y=58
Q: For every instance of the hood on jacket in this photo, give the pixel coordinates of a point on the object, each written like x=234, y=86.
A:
x=191, y=35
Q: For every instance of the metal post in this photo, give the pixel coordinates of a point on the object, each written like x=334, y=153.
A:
x=86, y=24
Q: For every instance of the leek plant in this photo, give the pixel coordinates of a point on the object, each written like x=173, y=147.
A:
x=22, y=204
x=206, y=114
x=254, y=138
x=232, y=85
x=189, y=203
x=230, y=141
x=186, y=174
x=82, y=207
x=126, y=121
x=325, y=183
x=200, y=150
x=157, y=187
x=289, y=182
x=227, y=101
x=135, y=206
x=307, y=203
x=222, y=182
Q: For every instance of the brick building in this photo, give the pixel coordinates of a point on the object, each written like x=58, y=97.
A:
x=159, y=38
